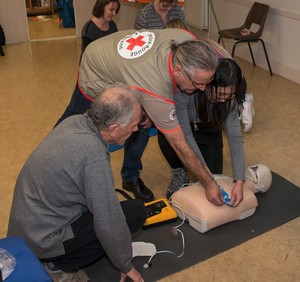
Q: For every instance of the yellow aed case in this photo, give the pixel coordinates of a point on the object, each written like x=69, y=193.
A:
x=159, y=212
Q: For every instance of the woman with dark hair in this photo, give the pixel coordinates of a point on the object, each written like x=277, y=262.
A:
x=202, y=116
x=101, y=23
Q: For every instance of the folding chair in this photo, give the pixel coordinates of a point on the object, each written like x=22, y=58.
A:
x=257, y=15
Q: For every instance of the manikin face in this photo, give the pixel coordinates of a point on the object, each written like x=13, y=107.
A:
x=110, y=11
x=188, y=84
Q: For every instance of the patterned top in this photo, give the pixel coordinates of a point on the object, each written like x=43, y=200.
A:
x=148, y=18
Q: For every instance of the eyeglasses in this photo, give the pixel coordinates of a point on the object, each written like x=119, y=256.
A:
x=197, y=84
x=225, y=96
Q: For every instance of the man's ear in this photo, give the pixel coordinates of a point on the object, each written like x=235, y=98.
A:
x=177, y=70
x=113, y=130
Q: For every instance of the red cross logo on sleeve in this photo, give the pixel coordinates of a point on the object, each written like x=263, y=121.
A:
x=135, y=42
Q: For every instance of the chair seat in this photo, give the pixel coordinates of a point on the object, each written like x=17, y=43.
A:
x=257, y=15
x=235, y=33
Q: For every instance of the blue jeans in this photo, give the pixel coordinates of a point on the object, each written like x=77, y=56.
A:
x=78, y=105
x=133, y=151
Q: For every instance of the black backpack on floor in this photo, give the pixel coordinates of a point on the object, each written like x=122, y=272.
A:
x=2, y=41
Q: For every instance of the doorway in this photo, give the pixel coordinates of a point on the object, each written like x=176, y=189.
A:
x=44, y=22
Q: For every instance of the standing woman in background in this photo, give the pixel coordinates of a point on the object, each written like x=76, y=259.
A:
x=101, y=23
x=157, y=14
x=99, y=26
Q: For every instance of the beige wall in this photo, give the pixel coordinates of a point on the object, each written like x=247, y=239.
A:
x=281, y=33
x=83, y=12
x=13, y=18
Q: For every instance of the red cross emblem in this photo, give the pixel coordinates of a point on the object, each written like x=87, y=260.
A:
x=135, y=42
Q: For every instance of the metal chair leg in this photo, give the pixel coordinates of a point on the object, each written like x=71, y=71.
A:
x=233, y=49
x=250, y=49
x=265, y=50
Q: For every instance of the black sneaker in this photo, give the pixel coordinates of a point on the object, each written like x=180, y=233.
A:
x=139, y=190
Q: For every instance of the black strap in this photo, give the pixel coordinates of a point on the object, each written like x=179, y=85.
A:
x=123, y=193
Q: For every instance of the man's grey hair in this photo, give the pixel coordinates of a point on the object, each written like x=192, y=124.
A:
x=194, y=54
x=114, y=105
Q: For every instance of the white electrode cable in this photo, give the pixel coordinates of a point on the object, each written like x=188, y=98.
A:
x=175, y=231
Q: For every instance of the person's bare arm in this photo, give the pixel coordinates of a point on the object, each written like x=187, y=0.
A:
x=194, y=165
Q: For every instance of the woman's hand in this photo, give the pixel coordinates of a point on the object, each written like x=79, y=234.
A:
x=237, y=194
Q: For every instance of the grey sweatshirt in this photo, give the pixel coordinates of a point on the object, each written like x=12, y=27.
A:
x=187, y=114
x=66, y=175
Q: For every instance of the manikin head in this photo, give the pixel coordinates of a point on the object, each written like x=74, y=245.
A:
x=261, y=177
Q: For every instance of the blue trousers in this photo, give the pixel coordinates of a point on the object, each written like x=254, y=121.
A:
x=133, y=151
x=134, y=145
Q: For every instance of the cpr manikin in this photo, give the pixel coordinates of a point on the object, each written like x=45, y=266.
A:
x=190, y=202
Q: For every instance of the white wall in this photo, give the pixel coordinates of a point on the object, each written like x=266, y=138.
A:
x=193, y=12
x=281, y=34
x=13, y=19
x=83, y=12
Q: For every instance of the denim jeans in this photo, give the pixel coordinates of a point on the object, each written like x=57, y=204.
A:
x=133, y=151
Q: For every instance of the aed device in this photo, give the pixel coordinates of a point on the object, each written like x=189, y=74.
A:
x=159, y=212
